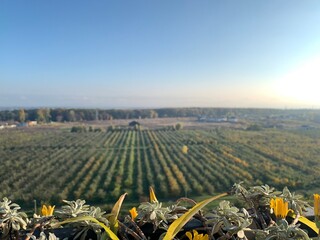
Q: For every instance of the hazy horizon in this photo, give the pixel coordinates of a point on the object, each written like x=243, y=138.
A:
x=142, y=54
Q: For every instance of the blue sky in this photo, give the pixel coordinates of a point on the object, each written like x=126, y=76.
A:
x=181, y=53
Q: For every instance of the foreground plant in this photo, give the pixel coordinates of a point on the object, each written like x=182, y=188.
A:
x=85, y=218
x=229, y=221
x=11, y=219
x=271, y=210
x=269, y=215
x=282, y=231
x=295, y=203
x=153, y=212
x=43, y=236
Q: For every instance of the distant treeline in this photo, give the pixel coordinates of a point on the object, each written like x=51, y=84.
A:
x=73, y=115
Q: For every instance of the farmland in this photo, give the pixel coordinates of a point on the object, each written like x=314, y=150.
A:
x=51, y=164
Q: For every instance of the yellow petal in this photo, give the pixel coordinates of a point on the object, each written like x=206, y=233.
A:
x=195, y=234
x=47, y=210
x=280, y=207
x=44, y=210
x=189, y=235
x=316, y=204
x=153, y=197
x=133, y=213
x=272, y=203
x=285, y=209
x=51, y=210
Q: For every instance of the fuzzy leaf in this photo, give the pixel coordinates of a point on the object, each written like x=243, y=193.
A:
x=115, y=212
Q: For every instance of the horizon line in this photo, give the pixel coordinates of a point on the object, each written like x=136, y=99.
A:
x=12, y=108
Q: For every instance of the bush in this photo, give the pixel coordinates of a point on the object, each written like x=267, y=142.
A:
x=78, y=129
x=178, y=126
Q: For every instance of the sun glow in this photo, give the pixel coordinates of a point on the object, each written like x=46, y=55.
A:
x=302, y=84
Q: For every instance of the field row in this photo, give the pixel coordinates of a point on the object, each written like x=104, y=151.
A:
x=56, y=164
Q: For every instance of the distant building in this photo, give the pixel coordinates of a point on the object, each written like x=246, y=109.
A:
x=22, y=124
x=134, y=124
x=7, y=125
x=32, y=123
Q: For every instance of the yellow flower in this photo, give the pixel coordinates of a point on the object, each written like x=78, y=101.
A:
x=47, y=210
x=316, y=205
x=133, y=213
x=197, y=236
x=317, y=210
x=153, y=197
x=280, y=207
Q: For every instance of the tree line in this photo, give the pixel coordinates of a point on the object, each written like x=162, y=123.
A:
x=75, y=114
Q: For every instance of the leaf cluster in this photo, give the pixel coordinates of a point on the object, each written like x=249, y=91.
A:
x=222, y=222
x=11, y=219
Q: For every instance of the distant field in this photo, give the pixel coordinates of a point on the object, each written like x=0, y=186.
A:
x=51, y=164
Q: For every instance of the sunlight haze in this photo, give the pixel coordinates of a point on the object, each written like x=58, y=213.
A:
x=301, y=85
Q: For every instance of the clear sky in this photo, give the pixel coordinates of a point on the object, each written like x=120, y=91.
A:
x=152, y=53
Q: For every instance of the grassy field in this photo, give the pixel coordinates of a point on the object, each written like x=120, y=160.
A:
x=49, y=163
